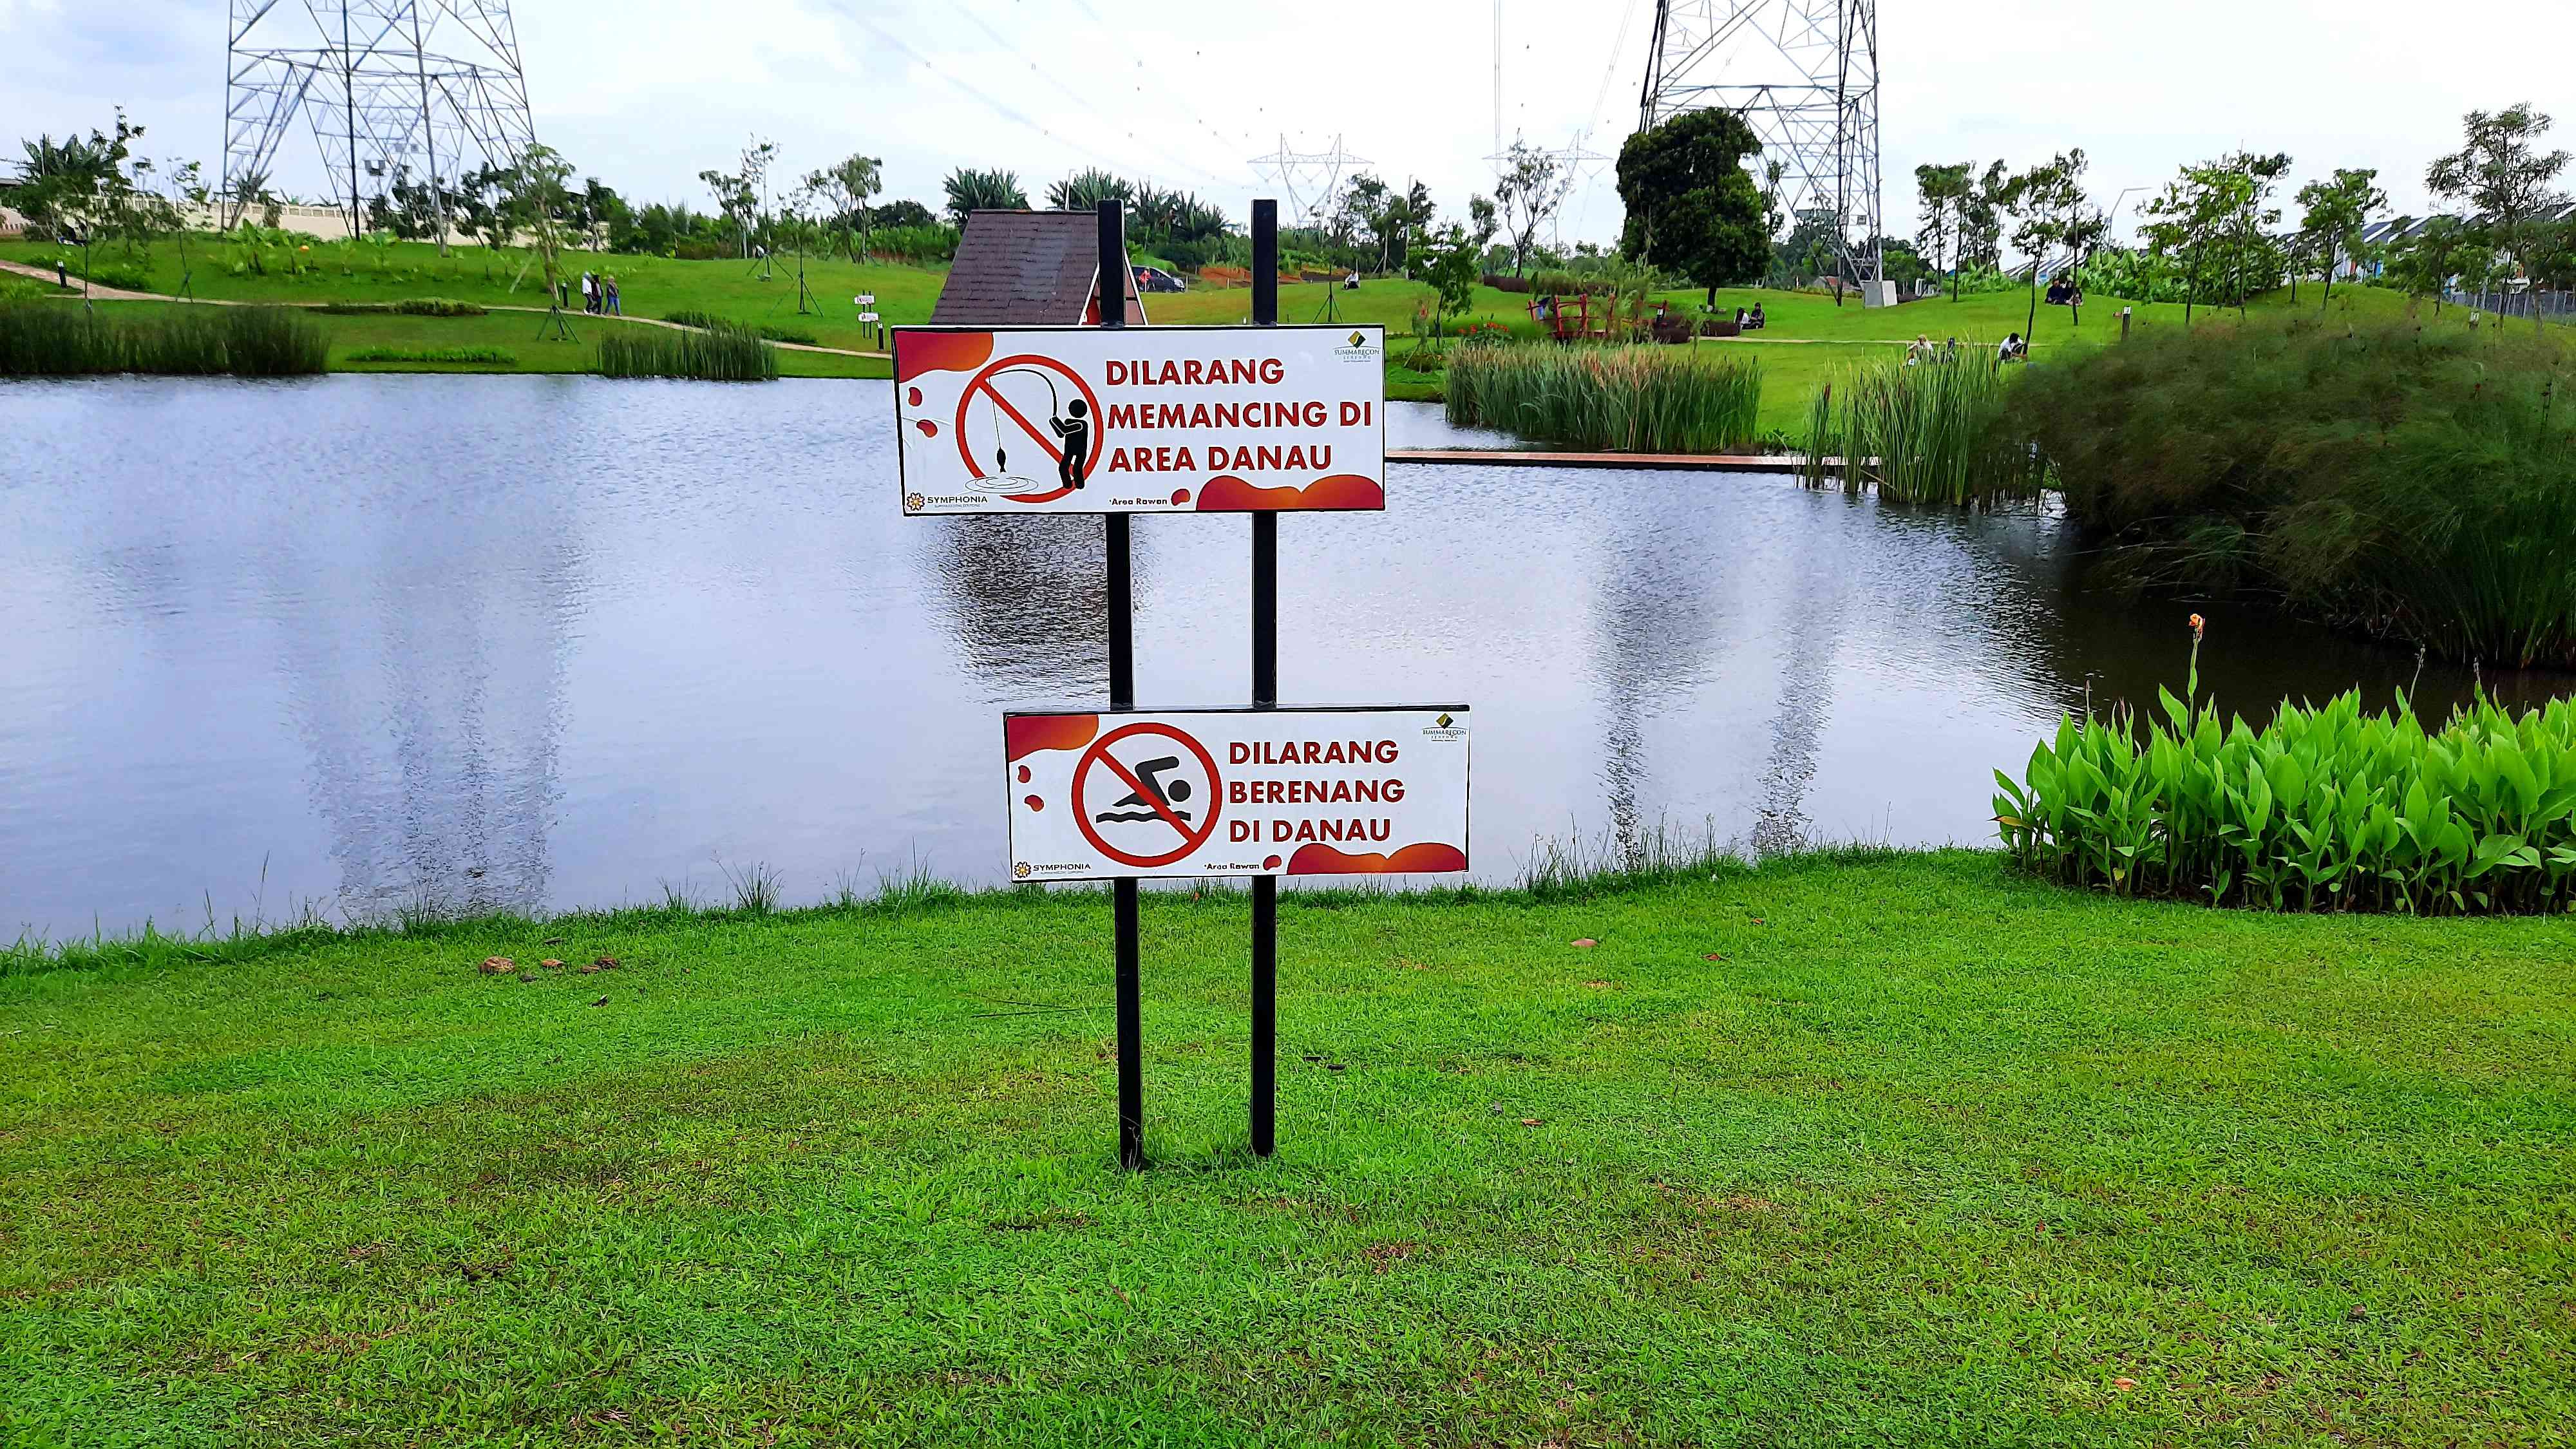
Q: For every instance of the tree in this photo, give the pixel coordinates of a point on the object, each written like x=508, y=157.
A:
x=2502, y=172
x=2053, y=214
x=2216, y=213
x=2424, y=263
x=850, y=183
x=1452, y=264
x=2333, y=214
x=1692, y=207
x=537, y=197
x=1086, y=189
x=1533, y=185
x=1483, y=221
x=1981, y=218
x=970, y=191
x=1944, y=192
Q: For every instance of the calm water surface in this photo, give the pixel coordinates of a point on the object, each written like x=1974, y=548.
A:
x=368, y=642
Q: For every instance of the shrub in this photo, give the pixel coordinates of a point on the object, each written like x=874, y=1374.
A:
x=786, y=334
x=696, y=317
x=123, y=276
x=919, y=245
x=500, y=356
x=1632, y=399
x=52, y=340
x=1930, y=433
x=2414, y=482
x=436, y=307
x=1501, y=283
x=2323, y=809
x=724, y=352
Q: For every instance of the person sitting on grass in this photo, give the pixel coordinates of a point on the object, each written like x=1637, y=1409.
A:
x=2012, y=349
x=1755, y=322
x=1920, y=350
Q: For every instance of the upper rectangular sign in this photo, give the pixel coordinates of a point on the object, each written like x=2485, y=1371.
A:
x=1140, y=419
x=1237, y=792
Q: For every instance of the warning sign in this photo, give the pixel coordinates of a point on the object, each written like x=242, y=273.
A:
x=1237, y=792
x=1140, y=419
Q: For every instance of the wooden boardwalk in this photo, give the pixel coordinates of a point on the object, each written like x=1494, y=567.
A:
x=1527, y=458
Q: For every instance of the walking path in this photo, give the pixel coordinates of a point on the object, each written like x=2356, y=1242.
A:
x=119, y=294
x=1526, y=458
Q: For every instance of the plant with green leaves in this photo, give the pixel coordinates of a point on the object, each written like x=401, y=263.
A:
x=2326, y=808
x=721, y=352
x=1692, y=207
x=971, y=191
x=2502, y=172
x=1640, y=399
x=1928, y=430
x=2335, y=213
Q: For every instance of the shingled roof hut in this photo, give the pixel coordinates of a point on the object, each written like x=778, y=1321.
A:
x=1029, y=269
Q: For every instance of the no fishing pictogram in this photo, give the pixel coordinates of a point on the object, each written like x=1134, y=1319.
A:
x=1161, y=799
x=1007, y=422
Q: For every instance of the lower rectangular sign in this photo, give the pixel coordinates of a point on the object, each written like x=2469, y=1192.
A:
x=1356, y=791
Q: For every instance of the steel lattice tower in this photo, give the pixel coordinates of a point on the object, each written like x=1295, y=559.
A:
x=432, y=85
x=1804, y=75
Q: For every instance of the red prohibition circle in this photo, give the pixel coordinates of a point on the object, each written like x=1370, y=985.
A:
x=1099, y=751
x=982, y=382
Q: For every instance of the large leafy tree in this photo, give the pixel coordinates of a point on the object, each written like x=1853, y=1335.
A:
x=971, y=190
x=1086, y=189
x=1533, y=185
x=1944, y=192
x=2424, y=263
x=850, y=183
x=2334, y=212
x=2054, y=217
x=2214, y=218
x=2502, y=172
x=1692, y=207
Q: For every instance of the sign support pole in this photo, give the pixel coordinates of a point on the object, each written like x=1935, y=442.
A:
x=1265, y=695
x=1122, y=698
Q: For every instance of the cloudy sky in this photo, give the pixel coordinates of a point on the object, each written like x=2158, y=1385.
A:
x=646, y=93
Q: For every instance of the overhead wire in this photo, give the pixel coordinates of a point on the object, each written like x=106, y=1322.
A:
x=1087, y=103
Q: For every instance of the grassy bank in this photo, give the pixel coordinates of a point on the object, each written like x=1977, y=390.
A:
x=525, y=339
x=49, y=339
x=1639, y=399
x=1900, y=1150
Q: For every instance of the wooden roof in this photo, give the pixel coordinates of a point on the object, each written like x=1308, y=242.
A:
x=1027, y=269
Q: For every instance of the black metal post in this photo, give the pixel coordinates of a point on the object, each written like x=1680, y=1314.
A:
x=1122, y=697
x=1265, y=695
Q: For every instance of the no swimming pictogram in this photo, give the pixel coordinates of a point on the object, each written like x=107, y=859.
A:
x=1152, y=801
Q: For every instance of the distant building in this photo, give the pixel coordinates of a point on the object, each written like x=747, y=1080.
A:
x=1030, y=269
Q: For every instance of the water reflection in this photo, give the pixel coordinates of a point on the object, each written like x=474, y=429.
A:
x=541, y=643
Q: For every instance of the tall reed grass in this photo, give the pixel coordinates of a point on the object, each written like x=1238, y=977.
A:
x=2415, y=482
x=722, y=352
x=1931, y=432
x=1644, y=399
x=2323, y=809
x=58, y=339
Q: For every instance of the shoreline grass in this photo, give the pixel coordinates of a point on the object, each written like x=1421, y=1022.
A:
x=1638, y=399
x=1918, y=1149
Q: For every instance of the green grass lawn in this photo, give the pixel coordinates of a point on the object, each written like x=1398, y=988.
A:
x=1898, y=1150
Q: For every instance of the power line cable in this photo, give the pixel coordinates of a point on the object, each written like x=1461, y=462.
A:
x=1085, y=102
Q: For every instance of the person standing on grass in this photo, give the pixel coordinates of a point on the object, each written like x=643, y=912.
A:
x=614, y=310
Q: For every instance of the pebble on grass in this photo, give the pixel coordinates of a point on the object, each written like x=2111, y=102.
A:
x=1587, y=943
x=497, y=966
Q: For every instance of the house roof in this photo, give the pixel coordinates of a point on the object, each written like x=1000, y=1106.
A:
x=1027, y=269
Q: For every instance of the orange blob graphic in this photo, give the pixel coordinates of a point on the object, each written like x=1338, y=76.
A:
x=1180, y=496
x=913, y=396
x=1428, y=859
x=1270, y=862
x=1344, y=491
x=1024, y=774
x=928, y=428
x=1026, y=734
x=943, y=352
x=1035, y=802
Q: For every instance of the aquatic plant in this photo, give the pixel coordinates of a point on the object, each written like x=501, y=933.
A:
x=498, y=356
x=55, y=339
x=721, y=352
x=2325, y=808
x=2414, y=481
x=1643, y=399
x=1926, y=433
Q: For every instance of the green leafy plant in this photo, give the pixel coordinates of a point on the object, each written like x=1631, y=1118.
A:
x=46, y=339
x=1644, y=399
x=1931, y=432
x=2325, y=808
x=492, y=356
x=723, y=352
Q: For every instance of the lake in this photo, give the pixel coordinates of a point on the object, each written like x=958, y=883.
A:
x=369, y=643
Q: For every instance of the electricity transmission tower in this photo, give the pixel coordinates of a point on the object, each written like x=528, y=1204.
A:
x=434, y=86
x=1804, y=75
x=1309, y=177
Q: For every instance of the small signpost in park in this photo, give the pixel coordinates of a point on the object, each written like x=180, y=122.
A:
x=1259, y=420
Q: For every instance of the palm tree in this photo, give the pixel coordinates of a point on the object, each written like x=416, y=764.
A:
x=970, y=190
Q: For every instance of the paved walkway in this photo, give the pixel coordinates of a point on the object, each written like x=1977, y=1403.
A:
x=1527, y=458
x=118, y=294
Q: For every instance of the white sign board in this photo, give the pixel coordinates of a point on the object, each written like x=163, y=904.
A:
x=1141, y=419
x=1360, y=791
